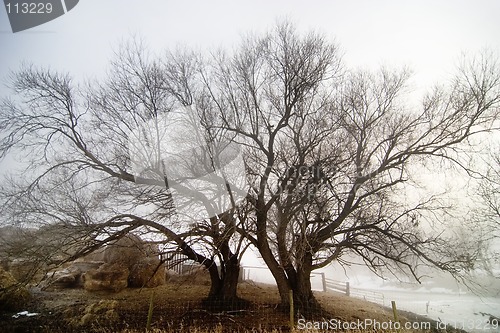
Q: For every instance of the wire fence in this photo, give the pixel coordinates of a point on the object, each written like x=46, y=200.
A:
x=262, y=274
x=348, y=290
x=106, y=313
x=177, y=306
x=319, y=282
x=368, y=295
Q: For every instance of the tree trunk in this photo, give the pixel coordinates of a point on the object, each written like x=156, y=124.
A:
x=268, y=256
x=215, y=280
x=299, y=280
x=230, y=279
x=304, y=299
x=223, y=293
x=287, y=278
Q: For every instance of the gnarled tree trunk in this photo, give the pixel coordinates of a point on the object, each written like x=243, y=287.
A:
x=304, y=299
x=223, y=293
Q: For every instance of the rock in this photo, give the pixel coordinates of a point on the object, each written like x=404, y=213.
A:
x=108, y=277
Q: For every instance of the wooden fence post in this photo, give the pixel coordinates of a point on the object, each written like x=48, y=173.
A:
x=347, y=289
x=395, y=311
x=241, y=276
x=323, y=279
x=150, y=313
x=292, y=310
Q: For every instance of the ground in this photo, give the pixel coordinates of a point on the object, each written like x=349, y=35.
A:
x=176, y=308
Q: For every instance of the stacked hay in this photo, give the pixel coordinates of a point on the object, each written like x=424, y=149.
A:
x=102, y=313
x=140, y=258
x=126, y=251
x=129, y=261
x=108, y=277
x=146, y=273
x=62, y=279
x=69, y=277
x=26, y=271
x=198, y=275
x=95, y=256
x=12, y=295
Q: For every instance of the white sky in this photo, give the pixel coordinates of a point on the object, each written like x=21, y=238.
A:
x=426, y=35
x=429, y=36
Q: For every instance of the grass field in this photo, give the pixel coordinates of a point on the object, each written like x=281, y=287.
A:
x=177, y=308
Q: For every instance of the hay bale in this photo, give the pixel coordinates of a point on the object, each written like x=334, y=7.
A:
x=13, y=296
x=61, y=279
x=82, y=268
x=198, y=275
x=171, y=275
x=130, y=253
x=141, y=259
x=95, y=256
x=108, y=277
x=26, y=271
x=147, y=273
x=65, y=280
x=102, y=313
x=126, y=251
x=69, y=277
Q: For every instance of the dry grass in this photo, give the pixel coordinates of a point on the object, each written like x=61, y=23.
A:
x=12, y=295
x=177, y=308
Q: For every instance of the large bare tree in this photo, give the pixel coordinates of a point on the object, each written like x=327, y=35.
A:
x=331, y=154
x=108, y=141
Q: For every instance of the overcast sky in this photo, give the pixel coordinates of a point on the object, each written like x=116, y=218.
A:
x=429, y=36
x=426, y=35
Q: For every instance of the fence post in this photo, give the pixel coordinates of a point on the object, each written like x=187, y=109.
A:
x=241, y=276
x=150, y=313
x=292, y=310
x=394, y=311
x=323, y=279
x=347, y=289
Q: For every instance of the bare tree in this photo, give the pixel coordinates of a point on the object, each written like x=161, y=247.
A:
x=486, y=212
x=87, y=136
x=490, y=190
x=329, y=154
